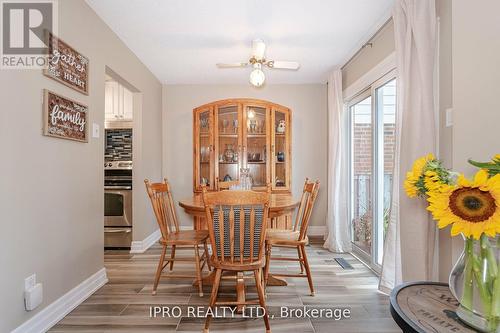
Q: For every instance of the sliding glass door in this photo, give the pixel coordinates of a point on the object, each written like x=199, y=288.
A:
x=372, y=140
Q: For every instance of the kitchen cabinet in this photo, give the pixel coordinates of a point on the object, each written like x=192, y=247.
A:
x=118, y=102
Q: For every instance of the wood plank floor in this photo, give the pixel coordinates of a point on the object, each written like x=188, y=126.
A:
x=123, y=305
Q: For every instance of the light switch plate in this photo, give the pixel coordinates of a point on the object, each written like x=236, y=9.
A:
x=449, y=117
x=95, y=130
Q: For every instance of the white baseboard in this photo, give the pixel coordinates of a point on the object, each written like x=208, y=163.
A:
x=146, y=243
x=54, y=312
x=316, y=230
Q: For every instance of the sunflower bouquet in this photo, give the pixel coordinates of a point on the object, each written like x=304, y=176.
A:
x=472, y=208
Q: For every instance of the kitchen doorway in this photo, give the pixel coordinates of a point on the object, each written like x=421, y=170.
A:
x=121, y=117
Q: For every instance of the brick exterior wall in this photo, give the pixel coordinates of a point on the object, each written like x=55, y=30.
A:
x=362, y=146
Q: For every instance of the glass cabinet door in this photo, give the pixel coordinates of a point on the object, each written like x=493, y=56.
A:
x=228, y=145
x=203, y=131
x=256, y=145
x=280, y=146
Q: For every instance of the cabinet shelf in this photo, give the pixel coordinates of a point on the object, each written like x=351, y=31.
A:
x=255, y=162
x=228, y=162
x=228, y=135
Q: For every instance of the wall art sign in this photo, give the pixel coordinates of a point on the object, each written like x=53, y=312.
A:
x=64, y=118
x=66, y=65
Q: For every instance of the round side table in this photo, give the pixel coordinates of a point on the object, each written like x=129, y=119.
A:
x=426, y=307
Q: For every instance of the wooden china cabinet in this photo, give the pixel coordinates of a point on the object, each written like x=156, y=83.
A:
x=249, y=135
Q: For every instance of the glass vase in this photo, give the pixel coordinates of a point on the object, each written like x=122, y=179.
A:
x=475, y=283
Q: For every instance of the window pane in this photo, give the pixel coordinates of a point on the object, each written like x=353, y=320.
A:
x=386, y=109
x=362, y=174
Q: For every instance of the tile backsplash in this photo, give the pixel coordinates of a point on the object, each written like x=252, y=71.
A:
x=118, y=145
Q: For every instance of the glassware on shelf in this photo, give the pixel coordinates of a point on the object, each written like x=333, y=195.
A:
x=245, y=180
x=225, y=124
x=261, y=126
x=253, y=126
x=235, y=126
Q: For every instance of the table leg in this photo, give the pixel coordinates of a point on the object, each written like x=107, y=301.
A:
x=199, y=223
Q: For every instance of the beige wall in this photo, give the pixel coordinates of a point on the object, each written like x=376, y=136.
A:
x=52, y=189
x=476, y=88
x=369, y=57
x=476, y=73
x=309, y=133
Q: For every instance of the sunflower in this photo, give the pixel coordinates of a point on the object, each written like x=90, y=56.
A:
x=432, y=181
x=472, y=207
x=413, y=182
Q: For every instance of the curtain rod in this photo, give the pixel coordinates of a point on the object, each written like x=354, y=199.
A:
x=368, y=43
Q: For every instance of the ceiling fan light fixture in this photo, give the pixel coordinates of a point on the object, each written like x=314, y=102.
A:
x=257, y=76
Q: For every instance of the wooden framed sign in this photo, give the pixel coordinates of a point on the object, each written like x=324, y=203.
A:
x=64, y=118
x=66, y=65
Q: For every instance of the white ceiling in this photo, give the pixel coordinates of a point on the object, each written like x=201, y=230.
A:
x=181, y=40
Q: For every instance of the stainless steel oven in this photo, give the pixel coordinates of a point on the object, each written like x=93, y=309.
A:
x=118, y=204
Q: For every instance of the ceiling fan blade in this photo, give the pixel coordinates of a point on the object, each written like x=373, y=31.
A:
x=258, y=49
x=232, y=65
x=283, y=64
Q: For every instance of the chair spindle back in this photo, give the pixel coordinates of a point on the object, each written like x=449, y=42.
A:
x=163, y=206
x=237, y=222
x=309, y=194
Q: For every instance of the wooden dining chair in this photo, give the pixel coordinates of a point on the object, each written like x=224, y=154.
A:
x=225, y=185
x=164, y=209
x=295, y=238
x=237, y=223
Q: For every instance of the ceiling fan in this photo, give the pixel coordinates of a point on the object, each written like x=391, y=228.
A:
x=257, y=60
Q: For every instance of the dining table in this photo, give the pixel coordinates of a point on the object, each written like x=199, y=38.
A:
x=281, y=207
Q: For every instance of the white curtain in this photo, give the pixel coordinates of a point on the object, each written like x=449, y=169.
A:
x=409, y=247
x=338, y=239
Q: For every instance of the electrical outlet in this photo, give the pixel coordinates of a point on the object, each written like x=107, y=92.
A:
x=30, y=282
